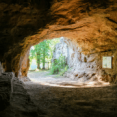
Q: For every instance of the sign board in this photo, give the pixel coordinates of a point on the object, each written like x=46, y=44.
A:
x=107, y=62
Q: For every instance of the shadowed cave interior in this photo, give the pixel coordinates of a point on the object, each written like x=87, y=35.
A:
x=89, y=28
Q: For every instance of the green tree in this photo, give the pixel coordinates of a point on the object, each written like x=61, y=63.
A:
x=59, y=66
x=43, y=52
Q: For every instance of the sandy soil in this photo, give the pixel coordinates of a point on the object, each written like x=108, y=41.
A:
x=71, y=101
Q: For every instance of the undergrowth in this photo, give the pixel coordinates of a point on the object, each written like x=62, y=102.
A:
x=59, y=66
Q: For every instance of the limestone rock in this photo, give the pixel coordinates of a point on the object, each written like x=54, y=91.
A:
x=60, y=49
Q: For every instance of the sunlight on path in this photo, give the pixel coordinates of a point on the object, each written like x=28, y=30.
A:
x=44, y=78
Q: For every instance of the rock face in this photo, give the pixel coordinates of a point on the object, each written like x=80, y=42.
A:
x=25, y=66
x=20, y=99
x=90, y=67
x=85, y=67
x=1, y=69
x=5, y=90
x=14, y=99
x=60, y=49
x=91, y=24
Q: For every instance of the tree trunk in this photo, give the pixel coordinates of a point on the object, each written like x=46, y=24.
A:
x=44, y=58
x=38, y=64
x=38, y=60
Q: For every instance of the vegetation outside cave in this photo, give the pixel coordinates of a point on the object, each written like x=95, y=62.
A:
x=41, y=58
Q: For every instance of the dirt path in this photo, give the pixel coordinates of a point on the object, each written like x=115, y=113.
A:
x=56, y=101
x=44, y=78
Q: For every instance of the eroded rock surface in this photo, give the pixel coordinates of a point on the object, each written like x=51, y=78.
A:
x=14, y=99
x=84, y=67
x=60, y=49
x=91, y=24
x=1, y=69
x=5, y=90
x=25, y=65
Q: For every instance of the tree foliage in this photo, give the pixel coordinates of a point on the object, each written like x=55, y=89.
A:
x=59, y=66
x=43, y=52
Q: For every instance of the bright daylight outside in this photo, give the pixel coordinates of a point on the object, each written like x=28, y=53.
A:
x=56, y=62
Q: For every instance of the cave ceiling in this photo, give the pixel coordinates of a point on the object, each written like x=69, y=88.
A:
x=92, y=24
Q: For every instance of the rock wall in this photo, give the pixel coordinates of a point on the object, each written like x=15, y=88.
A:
x=92, y=24
x=87, y=67
x=60, y=49
x=90, y=67
x=14, y=99
x=25, y=65
x=1, y=69
x=5, y=90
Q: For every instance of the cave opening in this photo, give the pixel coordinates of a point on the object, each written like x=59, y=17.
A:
x=49, y=61
x=60, y=62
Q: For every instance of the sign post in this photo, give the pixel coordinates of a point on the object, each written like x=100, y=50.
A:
x=107, y=62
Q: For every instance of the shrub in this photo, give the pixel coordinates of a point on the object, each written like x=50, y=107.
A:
x=59, y=66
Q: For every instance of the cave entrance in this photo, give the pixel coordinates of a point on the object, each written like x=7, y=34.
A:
x=60, y=62
x=49, y=61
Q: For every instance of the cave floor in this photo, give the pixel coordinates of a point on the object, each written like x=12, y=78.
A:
x=56, y=101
